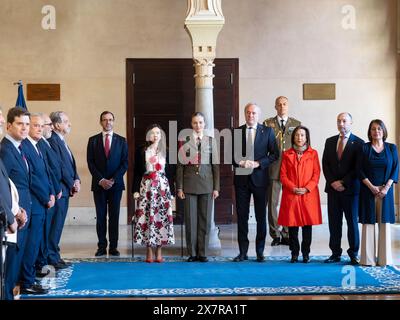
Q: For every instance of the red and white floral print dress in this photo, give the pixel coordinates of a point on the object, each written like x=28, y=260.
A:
x=153, y=215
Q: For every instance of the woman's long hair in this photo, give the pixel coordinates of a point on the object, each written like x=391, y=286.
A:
x=162, y=144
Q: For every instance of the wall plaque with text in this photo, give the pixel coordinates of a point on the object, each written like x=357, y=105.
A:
x=43, y=91
x=319, y=91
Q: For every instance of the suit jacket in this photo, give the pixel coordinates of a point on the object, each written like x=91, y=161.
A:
x=18, y=173
x=283, y=140
x=40, y=187
x=265, y=152
x=198, y=178
x=5, y=194
x=54, y=164
x=344, y=169
x=68, y=166
x=112, y=168
x=367, y=212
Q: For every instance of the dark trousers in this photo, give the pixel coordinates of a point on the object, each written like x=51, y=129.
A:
x=198, y=209
x=294, y=244
x=56, y=228
x=243, y=195
x=43, y=254
x=111, y=200
x=13, y=263
x=337, y=205
x=34, y=238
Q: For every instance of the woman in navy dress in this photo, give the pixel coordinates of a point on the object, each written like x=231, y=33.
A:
x=378, y=168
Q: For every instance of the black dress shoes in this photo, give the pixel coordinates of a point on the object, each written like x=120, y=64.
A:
x=354, y=261
x=332, y=259
x=68, y=264
x=113, y=252
x=42, y=274
x=203, y=259
x=260, y=258
x=294, y=258
x=284, y=241
x=100, y=252
x=276, y=242
x=34, y=289
x=192, y=259
x=306, y=258
x=240, y=258
x=59, y=266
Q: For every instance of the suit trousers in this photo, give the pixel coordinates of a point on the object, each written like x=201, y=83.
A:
x=294, y=245
x=57, y=226
x=13, y=263
x=243, y=195
x=34, y=238
x=368, y=243
x=273, y=195
x=198, y=209
x=111, y=200
x=338, y=204
x=43, y=254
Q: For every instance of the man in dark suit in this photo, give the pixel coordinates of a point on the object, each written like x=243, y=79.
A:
x=5, y=193
x=107, y=158
x=251, y=177
x=43, y=197
x=70, y=184
x=12, y=154
x=54, y=165
x=339, y=163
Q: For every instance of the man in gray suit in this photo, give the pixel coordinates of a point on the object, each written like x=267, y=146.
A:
x=283, y=126
x=197, y=181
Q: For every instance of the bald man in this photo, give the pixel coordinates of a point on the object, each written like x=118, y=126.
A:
x=339, y=163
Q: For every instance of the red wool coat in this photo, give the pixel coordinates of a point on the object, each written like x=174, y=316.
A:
x=300, y=210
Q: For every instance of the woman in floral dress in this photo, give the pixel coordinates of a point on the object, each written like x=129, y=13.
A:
x=152, y=186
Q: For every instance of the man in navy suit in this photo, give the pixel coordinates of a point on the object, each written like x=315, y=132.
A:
x=42, y=195
x=5, y=192
x=251, y=177
x=70, y=184
x=12, y=154
x=339, y=163
x=107, y=158
x=54, y=166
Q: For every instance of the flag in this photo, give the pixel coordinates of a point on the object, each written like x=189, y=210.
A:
x=20, y=99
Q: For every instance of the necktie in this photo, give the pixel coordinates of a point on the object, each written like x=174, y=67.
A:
x=198, y=143
x=23, y=156
x=283, y=125
x=340, y=147
x=69, y=151
x=250, y=142
x=107, y=145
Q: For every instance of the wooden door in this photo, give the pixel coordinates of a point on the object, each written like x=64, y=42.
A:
x=162, y=90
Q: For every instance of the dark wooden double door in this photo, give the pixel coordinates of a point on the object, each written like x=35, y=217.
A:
x=163, y=90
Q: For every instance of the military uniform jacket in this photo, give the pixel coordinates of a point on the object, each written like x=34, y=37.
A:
x=198, y=178
x=283, y=141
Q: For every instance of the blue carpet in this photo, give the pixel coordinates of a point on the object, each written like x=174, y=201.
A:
x=219, y=277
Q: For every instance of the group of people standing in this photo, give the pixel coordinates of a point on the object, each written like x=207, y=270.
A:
x=274, y=158
x=38, y=176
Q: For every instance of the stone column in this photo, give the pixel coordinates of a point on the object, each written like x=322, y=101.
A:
x=203, y=22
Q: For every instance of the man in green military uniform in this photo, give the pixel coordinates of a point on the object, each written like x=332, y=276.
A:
x=283, y=126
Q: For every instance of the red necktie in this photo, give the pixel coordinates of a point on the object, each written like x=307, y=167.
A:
x=340, y=147
x=107, y=145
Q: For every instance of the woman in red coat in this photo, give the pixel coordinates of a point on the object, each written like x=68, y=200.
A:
x=300, y=204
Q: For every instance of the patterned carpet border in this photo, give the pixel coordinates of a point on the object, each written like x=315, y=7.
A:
x=389, y=278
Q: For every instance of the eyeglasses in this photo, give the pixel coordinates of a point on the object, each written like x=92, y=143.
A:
x=48, y=124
